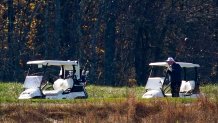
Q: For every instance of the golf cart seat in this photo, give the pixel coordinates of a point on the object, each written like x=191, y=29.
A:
x=60, y=85
x=63, y=84
x=187, y=86
x=154, y=83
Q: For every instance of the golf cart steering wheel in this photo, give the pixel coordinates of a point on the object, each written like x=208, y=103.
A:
x=48, y=81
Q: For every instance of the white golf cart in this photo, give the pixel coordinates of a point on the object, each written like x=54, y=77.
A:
x=66, y=80
x=159, y=85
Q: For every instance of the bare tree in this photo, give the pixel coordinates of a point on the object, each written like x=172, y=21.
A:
x=109, y=44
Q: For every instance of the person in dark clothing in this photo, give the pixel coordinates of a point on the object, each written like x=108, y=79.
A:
x=174, y=72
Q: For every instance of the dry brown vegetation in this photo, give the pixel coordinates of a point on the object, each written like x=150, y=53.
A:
x=130, y=110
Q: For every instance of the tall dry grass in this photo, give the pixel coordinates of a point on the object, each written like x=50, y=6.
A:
x=130, y=110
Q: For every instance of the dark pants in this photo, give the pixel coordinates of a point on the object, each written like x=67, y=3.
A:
x=175, y=88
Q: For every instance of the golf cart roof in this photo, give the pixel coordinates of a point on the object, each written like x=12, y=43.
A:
x=53, y=62
x=182, y=64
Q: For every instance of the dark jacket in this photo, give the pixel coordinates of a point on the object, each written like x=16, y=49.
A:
x=175, y=73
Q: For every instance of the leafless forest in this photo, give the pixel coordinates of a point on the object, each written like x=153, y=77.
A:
x=114, y=39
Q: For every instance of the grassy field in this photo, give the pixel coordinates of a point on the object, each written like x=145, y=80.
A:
x=110, y=105
x=9, y=92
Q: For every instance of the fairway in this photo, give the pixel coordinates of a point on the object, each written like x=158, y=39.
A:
x=10, y=91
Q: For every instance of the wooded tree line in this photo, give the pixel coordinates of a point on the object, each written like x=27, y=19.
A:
x=114, y=39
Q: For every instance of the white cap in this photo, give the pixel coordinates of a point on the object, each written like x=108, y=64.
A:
x=170, y=59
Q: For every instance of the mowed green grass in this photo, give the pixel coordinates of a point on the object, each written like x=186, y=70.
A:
x=9, y=92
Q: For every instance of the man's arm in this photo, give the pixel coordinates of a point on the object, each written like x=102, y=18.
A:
x=169, y=70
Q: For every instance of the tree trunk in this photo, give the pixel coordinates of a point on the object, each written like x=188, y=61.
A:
x=109, y=45
x=94, y=61
x=46, y=51
x=78, y=21
x=141, y=48
x=58, y=32
x=11, y=52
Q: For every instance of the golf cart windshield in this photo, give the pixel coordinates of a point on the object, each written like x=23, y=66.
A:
x=34, y=70
x=186, y=74
x=38, y=76
x=49, y=66
x=32, y=81
x=189, y=71
x=158, y=71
